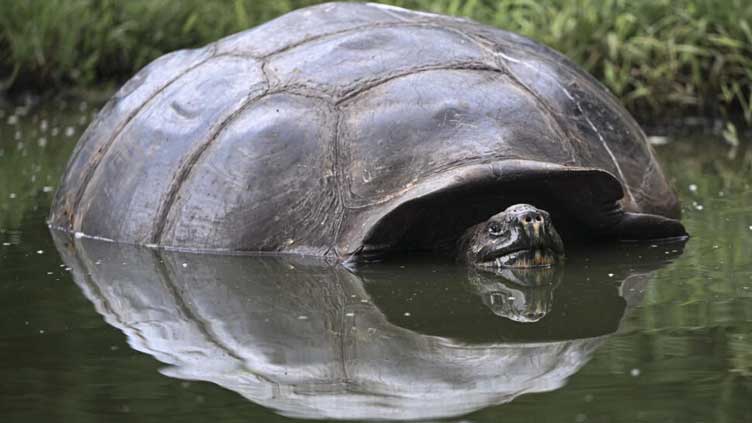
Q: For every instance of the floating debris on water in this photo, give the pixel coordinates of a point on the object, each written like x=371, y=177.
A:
x=634, y=372
x=40, y=251
x=47, y=188
x=302, y=317
x=407, y=314
x=693, y=187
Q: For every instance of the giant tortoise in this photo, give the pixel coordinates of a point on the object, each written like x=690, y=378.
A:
x=355, y=130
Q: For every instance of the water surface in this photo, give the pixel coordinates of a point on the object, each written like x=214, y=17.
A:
x=92, y=331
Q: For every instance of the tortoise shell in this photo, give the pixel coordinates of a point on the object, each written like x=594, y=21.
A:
x=344, y=128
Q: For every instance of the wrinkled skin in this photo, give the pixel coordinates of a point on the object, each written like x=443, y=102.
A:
x=521, y=236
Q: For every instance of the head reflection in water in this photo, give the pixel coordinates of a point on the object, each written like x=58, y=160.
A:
x=315, y=341
x=521, y=295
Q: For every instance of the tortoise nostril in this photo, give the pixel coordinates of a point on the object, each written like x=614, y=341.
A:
x=529, y=217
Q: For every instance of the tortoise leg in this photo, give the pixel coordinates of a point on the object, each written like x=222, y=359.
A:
x=642, y=226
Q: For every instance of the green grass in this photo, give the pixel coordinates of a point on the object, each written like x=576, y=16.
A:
x=661, y=57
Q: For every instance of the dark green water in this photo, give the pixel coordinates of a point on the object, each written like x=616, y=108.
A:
x=92, y=331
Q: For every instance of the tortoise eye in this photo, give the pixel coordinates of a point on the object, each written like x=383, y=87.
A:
x=494, y=228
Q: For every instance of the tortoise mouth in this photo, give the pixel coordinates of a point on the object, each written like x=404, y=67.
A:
x=535, y=257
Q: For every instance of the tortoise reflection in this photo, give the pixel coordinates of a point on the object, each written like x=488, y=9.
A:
x=522, y=295
x=313, y=340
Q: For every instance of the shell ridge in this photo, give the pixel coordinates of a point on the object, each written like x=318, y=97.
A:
x=186, y=167
x=360, y=28
x=389, y=10
x=304, y=90
x=335, y=34
x=373, y=83
x=338, y=179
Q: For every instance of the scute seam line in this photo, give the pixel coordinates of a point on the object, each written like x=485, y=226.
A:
x=104, y=149
x=547, y=109
x=369, y=85
x=186, y=167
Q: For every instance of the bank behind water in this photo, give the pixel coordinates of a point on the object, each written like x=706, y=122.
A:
x=661, y=57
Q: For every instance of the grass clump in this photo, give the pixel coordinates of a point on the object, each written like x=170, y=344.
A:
x=658, y=56
x=52, y=43
x=661, y=57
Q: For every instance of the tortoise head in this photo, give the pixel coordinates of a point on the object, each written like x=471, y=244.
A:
x=521, y=236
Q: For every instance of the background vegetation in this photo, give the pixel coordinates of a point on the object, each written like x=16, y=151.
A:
x=661, y=57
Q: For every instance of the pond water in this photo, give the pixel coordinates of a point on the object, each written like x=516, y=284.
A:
x=93, y=331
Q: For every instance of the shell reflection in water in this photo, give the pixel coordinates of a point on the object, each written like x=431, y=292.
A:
x=312, y=340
